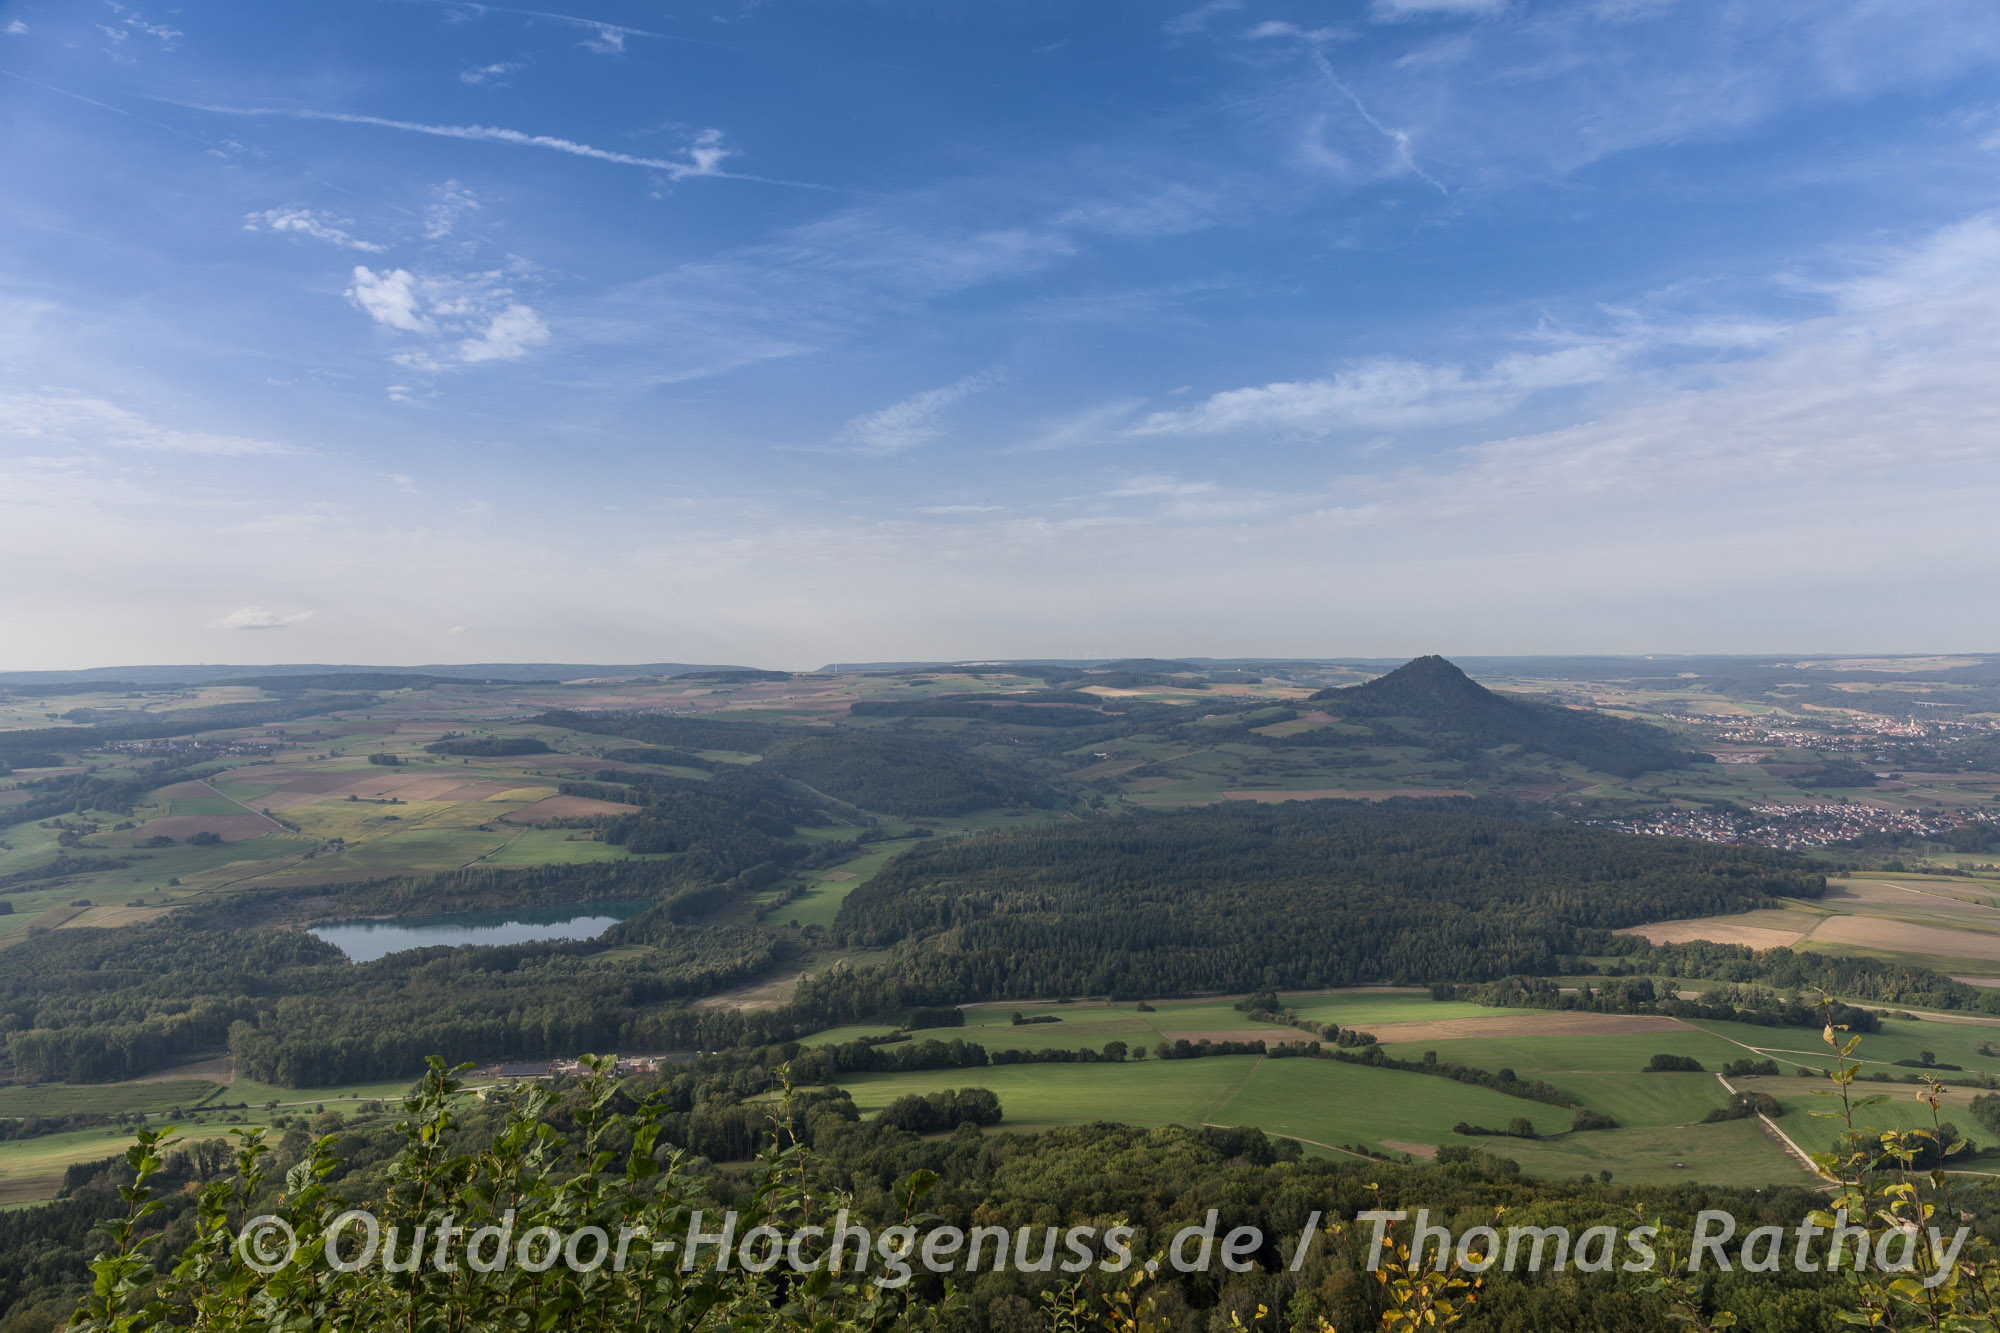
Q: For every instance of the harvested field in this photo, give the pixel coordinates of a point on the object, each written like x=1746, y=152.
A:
x=838, y=876
x=1344, y=794
x=1425, y=1151
x=116, y=915
x=1755, y=929
x=55, y=917
x=442, y=786
x=1881, y=933
x=13, y=796
x=566, y=807
x=479, y=791
x=230, y=828
x=313, y=788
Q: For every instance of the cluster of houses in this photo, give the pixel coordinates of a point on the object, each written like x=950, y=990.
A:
x=1800, y=827
x=626, y=1066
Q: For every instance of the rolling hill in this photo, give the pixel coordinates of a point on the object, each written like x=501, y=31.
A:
x=1433, y=700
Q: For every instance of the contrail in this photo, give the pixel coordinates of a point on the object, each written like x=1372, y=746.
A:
x=497, y=134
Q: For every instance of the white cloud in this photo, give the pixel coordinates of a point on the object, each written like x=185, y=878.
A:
x=608, y=41
x=255, y=617
x=52, y=420
x=495, y=73
x=509, y=336
x=913, y=421
x=15, y=29
x=465, y=321
x=307, y=222
x=389, y=297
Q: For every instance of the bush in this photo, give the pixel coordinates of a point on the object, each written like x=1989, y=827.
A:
x=1673, y=1064
x=925, y=1113
x=1743, y=1105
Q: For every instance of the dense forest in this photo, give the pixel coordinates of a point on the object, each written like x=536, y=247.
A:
x=90, y=1005
x=895, y=775
x=1241, y=897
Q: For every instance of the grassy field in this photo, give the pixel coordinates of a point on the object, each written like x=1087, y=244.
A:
x=552, y=846
x=32, y=1169
x=56, y=1099
x=1322, y=1101
x=1330, y=1105
x=817, y=906
x=1735, y=1152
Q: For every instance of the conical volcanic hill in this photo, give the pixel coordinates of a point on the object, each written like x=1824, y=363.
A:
x=1432, y=699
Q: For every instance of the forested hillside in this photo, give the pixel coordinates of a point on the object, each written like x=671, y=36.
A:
x=895, y=775
x=1447, y=704
x=1327, y=894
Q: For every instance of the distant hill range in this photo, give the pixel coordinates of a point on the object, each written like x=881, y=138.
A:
x=155, y=677
x=1445, y=704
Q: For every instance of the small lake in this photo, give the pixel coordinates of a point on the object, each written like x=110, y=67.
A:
x=365, y=941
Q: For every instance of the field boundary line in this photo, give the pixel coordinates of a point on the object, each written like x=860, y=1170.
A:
x=1236, y=1092
x=1771, y=1128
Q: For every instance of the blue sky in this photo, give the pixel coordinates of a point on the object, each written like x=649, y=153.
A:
x=408, y=330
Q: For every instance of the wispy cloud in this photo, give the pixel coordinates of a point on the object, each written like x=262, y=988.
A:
x=1100, y=423
x=1387, y=393
x=129, y=22
x=451, y=203
x=1192, y=21
x=307, y=222
x=1402, y=141
x=914, y=421
x=705, y=152
x=52, y=420
x=15, y=28
x=495, y=73
x=1394, y=10
x=256, y=617
x=605, y=38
